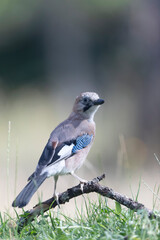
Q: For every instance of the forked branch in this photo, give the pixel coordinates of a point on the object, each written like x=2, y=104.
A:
x=90, y=186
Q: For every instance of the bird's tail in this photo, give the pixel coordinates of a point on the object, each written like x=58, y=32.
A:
x=25, y=195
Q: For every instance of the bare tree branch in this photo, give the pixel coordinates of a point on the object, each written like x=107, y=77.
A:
x=90, y=186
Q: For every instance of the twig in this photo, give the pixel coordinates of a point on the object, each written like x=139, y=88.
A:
x=90, y=186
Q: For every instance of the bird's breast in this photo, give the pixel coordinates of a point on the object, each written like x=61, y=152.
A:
x=76, y=161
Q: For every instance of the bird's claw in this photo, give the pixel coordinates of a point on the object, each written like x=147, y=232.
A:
x=82, y=183
x=56, y=197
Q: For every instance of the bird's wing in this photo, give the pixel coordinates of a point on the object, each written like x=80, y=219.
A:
x=46, y=158
x=69, y=148
x=64, y=150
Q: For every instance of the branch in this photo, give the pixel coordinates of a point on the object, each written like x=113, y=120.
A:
x=90, y=186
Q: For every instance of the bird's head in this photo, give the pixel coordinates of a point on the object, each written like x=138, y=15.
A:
x=87, y=104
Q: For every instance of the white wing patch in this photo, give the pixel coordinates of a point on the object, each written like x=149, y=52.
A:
x=65, y=152
x=58, y=167
x=55, y=169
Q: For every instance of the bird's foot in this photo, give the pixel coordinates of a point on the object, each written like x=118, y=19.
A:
x=82, y=183
x=56, y=197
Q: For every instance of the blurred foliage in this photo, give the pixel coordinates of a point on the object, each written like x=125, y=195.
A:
x=64, y=47
x=22, y=45
x=50, y=51
x=107, y=7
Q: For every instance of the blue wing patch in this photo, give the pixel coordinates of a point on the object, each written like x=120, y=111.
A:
x=82, y=142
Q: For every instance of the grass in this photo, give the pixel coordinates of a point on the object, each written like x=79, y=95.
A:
x=98, y=222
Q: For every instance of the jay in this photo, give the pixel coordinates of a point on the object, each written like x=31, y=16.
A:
x=67, y=147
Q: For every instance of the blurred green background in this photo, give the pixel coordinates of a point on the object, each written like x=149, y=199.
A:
x=50, y=51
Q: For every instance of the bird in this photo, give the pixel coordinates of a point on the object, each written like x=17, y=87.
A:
x=67, y=148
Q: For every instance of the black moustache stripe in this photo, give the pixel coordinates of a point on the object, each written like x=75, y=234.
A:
x=86, y=107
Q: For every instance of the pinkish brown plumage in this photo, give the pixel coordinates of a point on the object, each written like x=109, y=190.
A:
x=67, y=147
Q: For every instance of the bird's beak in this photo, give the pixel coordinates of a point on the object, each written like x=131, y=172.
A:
x=98, y=102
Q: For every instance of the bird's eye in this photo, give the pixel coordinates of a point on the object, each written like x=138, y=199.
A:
x=85, y=100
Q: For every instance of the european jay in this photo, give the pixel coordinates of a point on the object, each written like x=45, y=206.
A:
x=67, y=147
